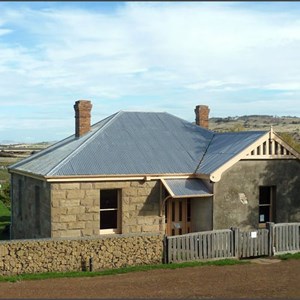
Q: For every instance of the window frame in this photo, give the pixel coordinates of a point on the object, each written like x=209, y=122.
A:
x=270, y=205
x=118, y=209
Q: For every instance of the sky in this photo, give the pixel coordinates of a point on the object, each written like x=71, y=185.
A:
x=239, y=58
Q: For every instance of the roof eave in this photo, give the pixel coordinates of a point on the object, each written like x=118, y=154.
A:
x=215, y=175
x=108, y=177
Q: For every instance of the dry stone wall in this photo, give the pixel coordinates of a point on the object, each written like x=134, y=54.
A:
x=62, y=255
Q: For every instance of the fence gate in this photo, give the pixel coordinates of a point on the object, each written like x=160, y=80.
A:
x=253, y=243
x=200, y=245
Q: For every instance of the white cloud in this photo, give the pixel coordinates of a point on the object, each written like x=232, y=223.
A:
x=147, y=49
x=289, y=86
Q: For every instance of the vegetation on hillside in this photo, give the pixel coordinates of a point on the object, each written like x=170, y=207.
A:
x=287, y=137
x=287, y=127
x=4, y=222
x=5, y=194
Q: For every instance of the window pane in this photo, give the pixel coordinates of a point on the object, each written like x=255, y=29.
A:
x=264, y=214
x=108, y=199
x=264, y=195
x=108, y=219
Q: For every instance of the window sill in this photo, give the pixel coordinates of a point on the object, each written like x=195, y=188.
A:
x=109, y=231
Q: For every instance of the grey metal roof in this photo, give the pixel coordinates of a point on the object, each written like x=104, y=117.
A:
x=187, y=187
x=133, y=143
x=224, y=146
x=42, y=163
x=125, y=143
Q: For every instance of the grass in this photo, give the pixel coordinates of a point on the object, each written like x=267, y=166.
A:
x=289, y=256
x=4, y=220
x=52, y=275
x=40, y=276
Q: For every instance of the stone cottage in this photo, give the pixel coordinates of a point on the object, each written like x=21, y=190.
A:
x=135, y=172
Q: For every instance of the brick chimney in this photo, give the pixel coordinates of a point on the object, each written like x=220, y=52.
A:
x=202, y=115
x=82, y=117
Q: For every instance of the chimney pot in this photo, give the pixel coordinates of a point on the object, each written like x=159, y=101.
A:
x=82, y=117
x=202, y=115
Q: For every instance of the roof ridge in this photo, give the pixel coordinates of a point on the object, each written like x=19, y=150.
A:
x=142, y=111
x=191, y=123
x=63, y=161
x=40, y=153
x=242, y=132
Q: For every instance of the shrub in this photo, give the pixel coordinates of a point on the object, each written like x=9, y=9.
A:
x=5, y=194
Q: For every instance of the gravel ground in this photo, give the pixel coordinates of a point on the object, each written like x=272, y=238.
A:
x=263, y=279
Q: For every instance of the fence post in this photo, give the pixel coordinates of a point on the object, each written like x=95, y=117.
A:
x=236, y=239
x=270, y=227
x=165, y=250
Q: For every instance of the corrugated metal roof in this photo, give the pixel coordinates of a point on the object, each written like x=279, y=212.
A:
x=133, y=143
x=42, y=163
x=125, y=143
x=224, y=146
x=187, y=187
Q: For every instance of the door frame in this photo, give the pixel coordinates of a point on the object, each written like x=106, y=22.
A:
x=178, y=216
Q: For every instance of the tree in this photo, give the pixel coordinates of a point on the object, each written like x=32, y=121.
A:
x=5, y=194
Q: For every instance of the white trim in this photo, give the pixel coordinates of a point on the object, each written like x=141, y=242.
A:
x=246, y=153
x=93, y=178
x=216, y=175
x=257, y=157
x=109, y=231
x=117, y=209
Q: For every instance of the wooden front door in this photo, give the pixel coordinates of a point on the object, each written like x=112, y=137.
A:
x=178, y=216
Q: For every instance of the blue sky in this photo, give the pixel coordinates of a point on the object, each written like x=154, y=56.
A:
x=237, y=57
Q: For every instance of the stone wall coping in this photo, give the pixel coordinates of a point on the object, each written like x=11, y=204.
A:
x=90, y=238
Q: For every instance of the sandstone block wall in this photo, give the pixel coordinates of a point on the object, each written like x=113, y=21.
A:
x=75, y=207
x=62, y=255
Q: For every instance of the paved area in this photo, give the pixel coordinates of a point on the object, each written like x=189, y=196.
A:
x=255, y=280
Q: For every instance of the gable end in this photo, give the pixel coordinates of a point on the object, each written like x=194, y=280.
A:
x=272, y=147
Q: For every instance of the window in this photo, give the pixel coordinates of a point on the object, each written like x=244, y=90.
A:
x=109, y=211
x=267, y=204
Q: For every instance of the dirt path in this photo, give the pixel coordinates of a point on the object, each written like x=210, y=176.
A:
x=275, y=280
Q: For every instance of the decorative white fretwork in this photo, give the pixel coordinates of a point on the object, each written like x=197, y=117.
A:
x=273, y=147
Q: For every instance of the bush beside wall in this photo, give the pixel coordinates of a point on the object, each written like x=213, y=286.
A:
x=62, y=255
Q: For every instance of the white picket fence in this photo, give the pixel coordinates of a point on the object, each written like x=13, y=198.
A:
x=232, y=243
x=200, y=245
x=286, y=238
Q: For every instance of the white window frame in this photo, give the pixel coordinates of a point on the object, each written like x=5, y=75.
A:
x=118, y=209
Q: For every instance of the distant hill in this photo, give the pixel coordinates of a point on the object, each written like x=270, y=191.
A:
x=285, y=126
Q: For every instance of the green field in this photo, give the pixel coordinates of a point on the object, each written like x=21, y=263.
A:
x=4, y=221
x=4, y=181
